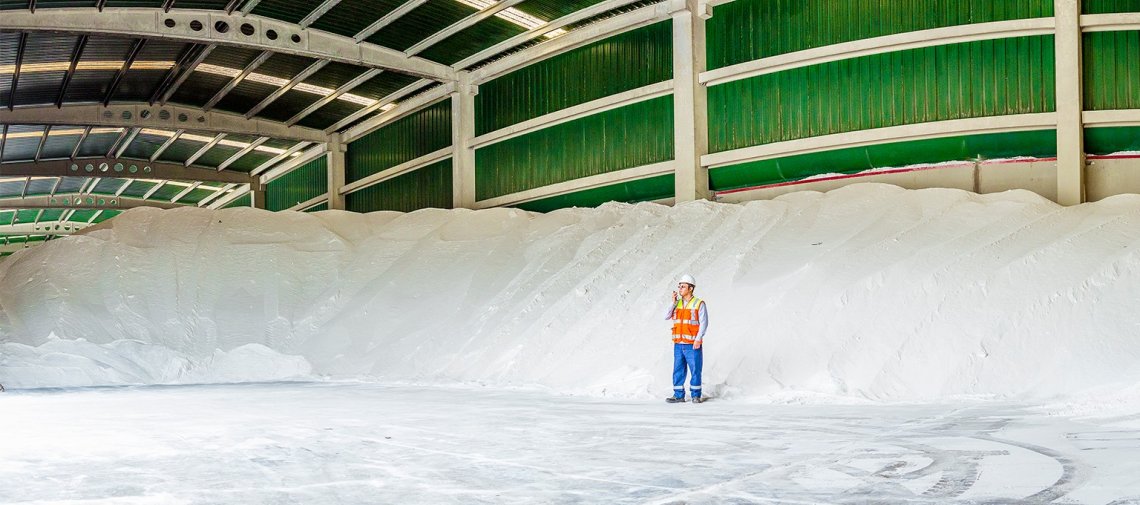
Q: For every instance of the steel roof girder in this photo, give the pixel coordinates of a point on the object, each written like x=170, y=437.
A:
x=289, y=38
x=168, y=117
x=158, y=170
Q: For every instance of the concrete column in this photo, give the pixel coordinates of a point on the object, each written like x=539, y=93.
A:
x=1070, y=104
x=336, y=172
x=462, y=136
x=690, y=107
x=257, y=194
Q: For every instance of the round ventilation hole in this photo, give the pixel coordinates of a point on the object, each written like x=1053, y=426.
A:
x=164, y=115
x=221, y=27
x=295, y=38
x=196, y=25
x=247, y=29
x=182, y=118
x=126, y=114
x=145, y=114
x=271, y=34
x=74, y=167
x=170, y=23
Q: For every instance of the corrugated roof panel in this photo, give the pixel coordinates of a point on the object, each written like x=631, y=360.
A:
x=383, y=85
x=180, y=151
x=13, y=4
x=26, y=215
x=60, y=146
x=97, y=144
x=108, y=186
x=251, y=92
x=471, y=40
x=292, y=11
x=201, y=4
x=144, y=145
x=71, y=184
x=23, y=140
x=330, y=77
x=41, y=186
x=166, y=192
x=201, y=86
x=81, y=215
x=90, y=85
x=196, y=195
x=38, y=88
x=138, y=188
x=250, y=161
x=107, y=214
x=330, y=114
x=11, y=189
x=549, y=10
x=420, y=24
x=351, y=16
x=138, y=85
x=216, y=156
x=135, y=3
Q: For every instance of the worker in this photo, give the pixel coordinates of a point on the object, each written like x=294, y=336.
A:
x=690, y=320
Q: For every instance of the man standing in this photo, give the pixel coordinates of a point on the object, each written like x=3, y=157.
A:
x=690, y=319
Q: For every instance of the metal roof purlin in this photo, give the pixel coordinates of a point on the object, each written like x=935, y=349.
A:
x=130, y=60
x=312, y=17
x=78, y=145
x=305, y=74
x=348, y=86
x=209, y=145
x=76, y=54
x=185, y=73
x=289, y=38
x=170, y=117
x=16, y=73
x=460, y=25
x=387, y=19
x=265, y=55
x=396, y=95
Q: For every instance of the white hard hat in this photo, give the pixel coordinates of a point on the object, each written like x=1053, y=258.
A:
x=687, y=279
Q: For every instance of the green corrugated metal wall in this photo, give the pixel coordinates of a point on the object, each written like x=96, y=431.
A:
x=407, y=138
x=1109, y=140
x=652, y=188
x=1112, y=70
x=1109, y=6
x=746, y=30
x=620, y=63
x=1000, y=145
x=425, y=187
x=304, y=183
x=973, y=79
x=626, y=137
x=241, y=201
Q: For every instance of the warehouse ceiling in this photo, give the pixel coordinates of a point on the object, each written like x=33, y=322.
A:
x=111, y=104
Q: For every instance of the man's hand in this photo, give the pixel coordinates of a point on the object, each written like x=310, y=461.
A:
x=696, y=346
x=674, y=296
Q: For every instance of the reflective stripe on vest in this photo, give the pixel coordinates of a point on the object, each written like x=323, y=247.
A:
x=686, y=323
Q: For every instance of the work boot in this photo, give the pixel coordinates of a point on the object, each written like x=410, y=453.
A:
x=674, y=399
x=697, y=399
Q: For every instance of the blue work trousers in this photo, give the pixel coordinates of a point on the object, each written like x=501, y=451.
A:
x=685, y=356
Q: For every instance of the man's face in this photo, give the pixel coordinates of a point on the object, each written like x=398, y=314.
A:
x=684, y=289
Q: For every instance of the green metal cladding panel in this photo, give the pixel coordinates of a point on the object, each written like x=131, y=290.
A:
x=303, y=183
x=620, y=63
x=241, y=201
x=747, y=30
x=1109, y=6
x=1112, y=70
x=407, y=138
x=973, y=79
x=1041, y=143
x=1108, y=140
x=626, y=137
x=427, y=187
x=653, y=188
x=318, y=207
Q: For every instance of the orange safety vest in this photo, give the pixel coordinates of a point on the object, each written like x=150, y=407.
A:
x=686, y=323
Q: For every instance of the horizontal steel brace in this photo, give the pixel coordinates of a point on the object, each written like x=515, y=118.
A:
x=217, y=27
x=121, y=169
x=169, y=117
x=83, y=201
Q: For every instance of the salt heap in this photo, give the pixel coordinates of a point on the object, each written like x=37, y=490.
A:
x=866, y=292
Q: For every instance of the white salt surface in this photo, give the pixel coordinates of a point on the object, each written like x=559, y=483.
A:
x=945, y=346
x=343, y=443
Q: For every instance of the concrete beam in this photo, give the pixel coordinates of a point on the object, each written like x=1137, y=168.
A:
x=690, y=102
x=105, y=167
x=82, y=201
x=41, y=228
x=336, y=177
x=463, y=143
x=217, y=27
x=1070, y=103
x=169, y=117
